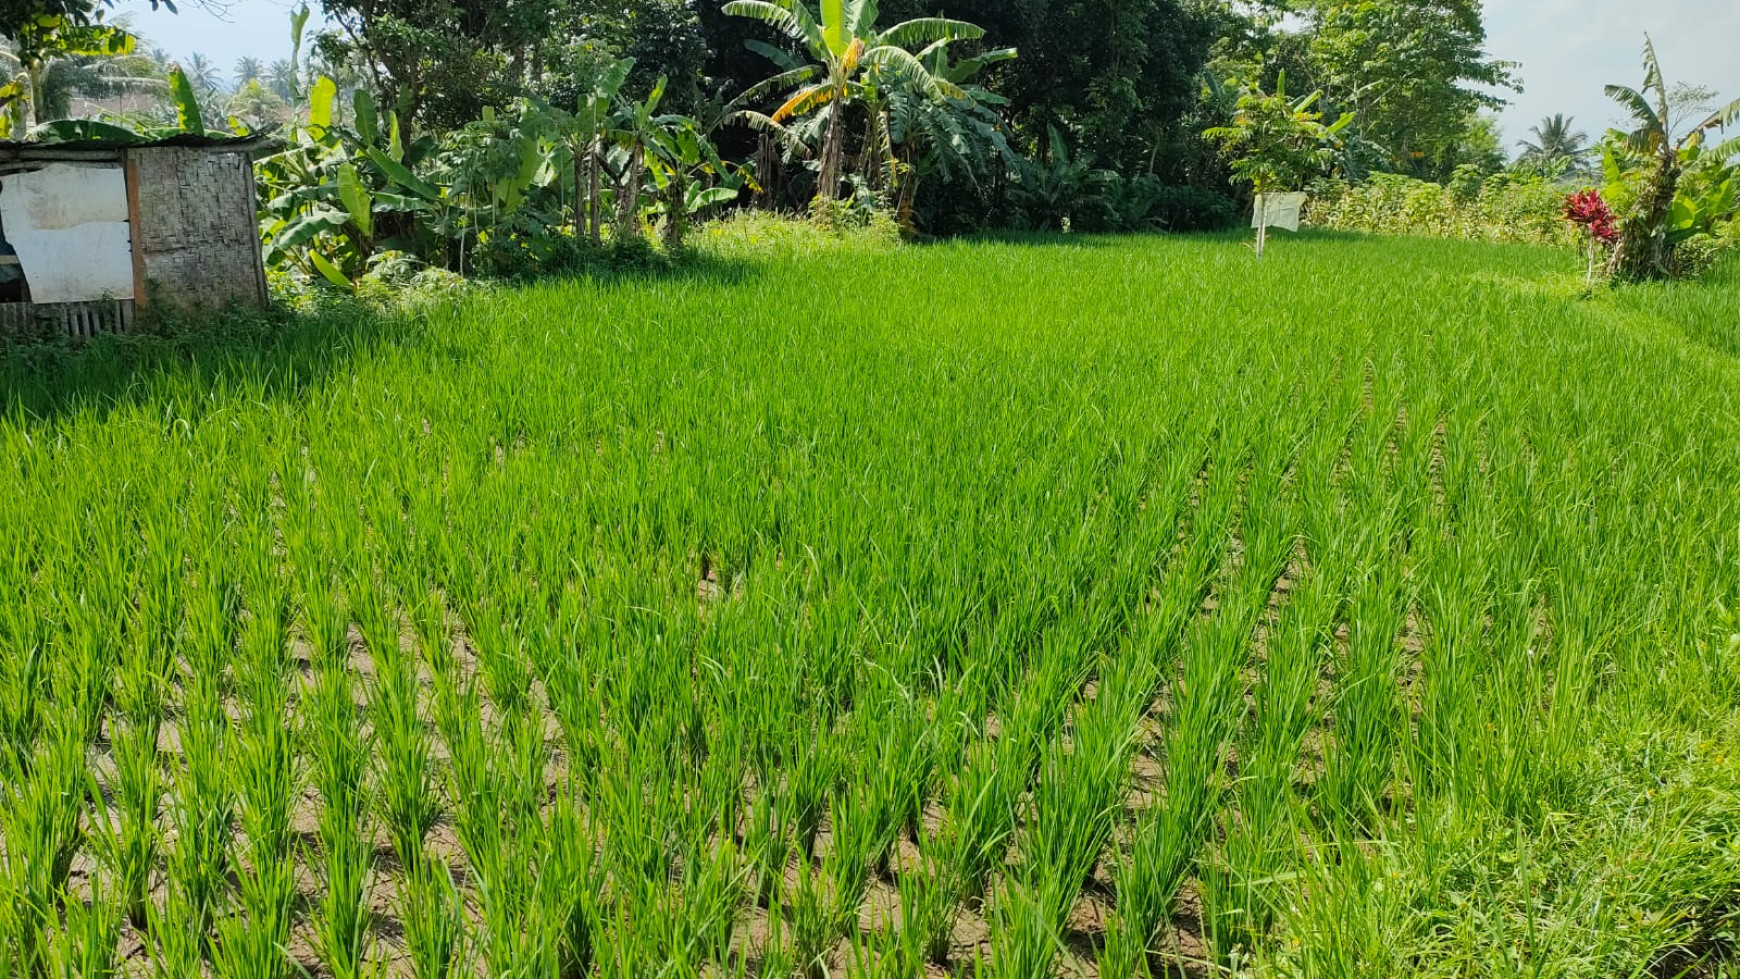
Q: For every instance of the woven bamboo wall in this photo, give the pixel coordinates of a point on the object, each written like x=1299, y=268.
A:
x=196, y=237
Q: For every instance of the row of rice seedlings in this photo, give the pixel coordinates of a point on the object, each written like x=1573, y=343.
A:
x=1166, y=835
x=144, y=686
x=339, y=749
x=202, y=810
x=1290, y=493
x=1079, y=789
x=263, y=764
x=1368, y=723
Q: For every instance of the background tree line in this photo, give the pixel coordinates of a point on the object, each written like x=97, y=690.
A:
x=1049, y=113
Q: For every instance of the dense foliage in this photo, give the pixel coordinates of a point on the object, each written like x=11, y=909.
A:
x=1022, y=113
x=1502, y=207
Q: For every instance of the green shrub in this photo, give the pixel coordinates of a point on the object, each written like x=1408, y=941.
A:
x=1502, y=208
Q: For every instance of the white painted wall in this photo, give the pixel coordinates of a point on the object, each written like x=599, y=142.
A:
x=69, y=225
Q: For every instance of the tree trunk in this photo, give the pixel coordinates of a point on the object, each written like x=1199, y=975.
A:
x=832, y=149
x=628, y=195
x=1262, y=207
x=595, y=198
x=1644, y=251
x=580, y=193
x=676, y=210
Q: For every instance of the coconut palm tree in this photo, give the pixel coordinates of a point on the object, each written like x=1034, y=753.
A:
x=257, y=106
x=281, y=79
x=1645, y=250
x=248, y=70
x=202, y=74
x=1556, y=143
x=853, y=61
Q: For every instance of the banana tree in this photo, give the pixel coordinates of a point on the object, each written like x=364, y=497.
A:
x=1647, y=242
x=337, y=195
x=850, y=58
x=688, y=176
x=949, y=138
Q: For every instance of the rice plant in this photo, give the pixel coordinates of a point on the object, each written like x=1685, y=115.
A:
x=1100, y=605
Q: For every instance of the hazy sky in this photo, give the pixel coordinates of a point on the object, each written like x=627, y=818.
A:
x=1568, y=48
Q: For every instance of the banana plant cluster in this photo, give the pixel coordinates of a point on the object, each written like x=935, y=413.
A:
x=1671, y=188
x=518, y=188
x=339, y=195
x=856, y=70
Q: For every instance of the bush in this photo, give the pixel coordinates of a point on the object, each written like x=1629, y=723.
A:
x=1194, y=209
x=1502, y=207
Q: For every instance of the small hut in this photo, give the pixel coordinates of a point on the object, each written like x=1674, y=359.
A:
x=91, y=231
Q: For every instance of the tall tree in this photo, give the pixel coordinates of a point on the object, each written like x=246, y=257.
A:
x=248, y=70
x=1414, y=73
x=202, y=74
x=97, y=61
x=281, y=78
x=438, y=62
x=34, y=25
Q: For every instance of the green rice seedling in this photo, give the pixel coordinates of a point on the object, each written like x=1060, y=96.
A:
x=405, y=770
x=202, y=809
x=1026, y=940
x=432, y=911
x=575, y=884
x=496, y=784
x=263, y=766
x=339, y=750
x=39, y=820
x=85, y=946
x=133, y=850
x=815, y=921
x=1359, y=770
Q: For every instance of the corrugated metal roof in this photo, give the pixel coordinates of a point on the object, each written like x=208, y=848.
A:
x=60, y=149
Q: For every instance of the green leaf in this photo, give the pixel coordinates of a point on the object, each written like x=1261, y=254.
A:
x=330, y=272
x=308, y=227
x=320, y=102
x=356, y=200
x=368, y=123
x=187, y=116
x=62, y=130
x=401, y=175
x=709, y=197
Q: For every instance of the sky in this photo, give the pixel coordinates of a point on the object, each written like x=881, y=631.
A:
x=1568, y=49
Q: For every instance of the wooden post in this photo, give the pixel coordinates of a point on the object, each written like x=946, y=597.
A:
x=1262, y=223
x=136, y=229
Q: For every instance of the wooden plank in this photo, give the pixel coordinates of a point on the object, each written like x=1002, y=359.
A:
x=131, y=166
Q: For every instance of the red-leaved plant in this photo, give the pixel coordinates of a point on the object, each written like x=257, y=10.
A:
x=1589, y=210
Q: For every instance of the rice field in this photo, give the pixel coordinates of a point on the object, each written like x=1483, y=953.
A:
x=1054, y=607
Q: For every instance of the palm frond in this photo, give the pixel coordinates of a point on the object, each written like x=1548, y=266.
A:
x=1651, y=128
x=1722, y=118
x=778, y=83
x=782, y=59
x=902, y=65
